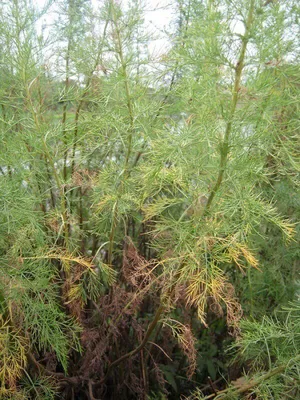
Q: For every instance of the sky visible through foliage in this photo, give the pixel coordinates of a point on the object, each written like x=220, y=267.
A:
x=149, y=200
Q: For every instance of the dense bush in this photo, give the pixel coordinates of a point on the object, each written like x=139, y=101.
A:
x=149, y=202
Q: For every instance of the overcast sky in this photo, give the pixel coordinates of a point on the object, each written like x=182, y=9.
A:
x=158, y=16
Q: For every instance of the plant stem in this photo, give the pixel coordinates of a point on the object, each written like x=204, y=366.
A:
x=254, y=382
x=224, y=150
x=126, y=84
x=131, y=119
x=67, y=81
x=85, y=91
x=150, y=329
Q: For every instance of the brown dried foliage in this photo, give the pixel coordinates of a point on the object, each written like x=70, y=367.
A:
x=136, y=270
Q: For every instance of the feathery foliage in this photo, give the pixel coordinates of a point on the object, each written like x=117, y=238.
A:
x=149, y=200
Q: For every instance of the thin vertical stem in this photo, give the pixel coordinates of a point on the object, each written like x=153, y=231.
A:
x=67, y=81
x=126, y=85
x=84, y=94
x=224, y=150
x=131, y=120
